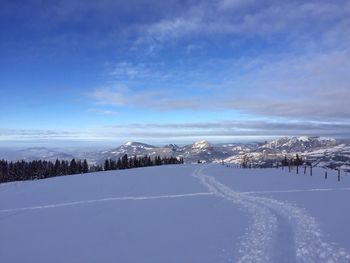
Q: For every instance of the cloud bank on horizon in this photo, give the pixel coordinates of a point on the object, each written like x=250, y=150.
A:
x=76, y=70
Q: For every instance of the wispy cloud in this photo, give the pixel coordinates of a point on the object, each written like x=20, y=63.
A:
x=286, y=61
x=103, y=111
x=15, y=134
x=251, y=18
x=120, y=96
x=309, y=86
x=226, y=130
x=131, y=71
x=308, y=80
x=234, y=128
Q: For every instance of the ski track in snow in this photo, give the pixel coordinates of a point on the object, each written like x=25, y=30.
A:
x=278, y=232
x=103, y=200
x=297, y=190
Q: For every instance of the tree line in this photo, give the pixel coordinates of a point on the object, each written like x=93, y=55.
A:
x=38, y=169
x=134, y=162
x=297, y=161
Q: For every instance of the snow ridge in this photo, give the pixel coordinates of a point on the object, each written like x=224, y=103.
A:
x=297, y=190
x=264, y=240
x=103, y=200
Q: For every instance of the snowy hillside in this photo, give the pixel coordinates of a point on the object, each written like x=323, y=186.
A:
x=337, y=156
x=204, y=152
x=320, y=151
x=298, y=144
x=183, y=213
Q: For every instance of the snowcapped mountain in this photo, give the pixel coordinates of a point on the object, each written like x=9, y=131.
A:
x=172, y=146
x=198, y=151
x=197, y=148
x=337, y=156
x=204, y=151
x=321, y=151
x=298, y=144
x=201, y=146
x=132, y=148
x=129, y=148
x=140, y=149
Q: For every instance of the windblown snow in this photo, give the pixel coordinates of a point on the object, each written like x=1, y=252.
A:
x=183, y=213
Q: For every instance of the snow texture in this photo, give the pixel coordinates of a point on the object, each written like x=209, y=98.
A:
x=183, y=213
x=274, y=223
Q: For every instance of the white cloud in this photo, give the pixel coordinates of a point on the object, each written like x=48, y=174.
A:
x=118, y=96
x=297, y=86
x=103, y=111
x=294, y=19
x=122, y=96
x=23, y=134
x=224, y=130
x=308, y=80
x=127, y=71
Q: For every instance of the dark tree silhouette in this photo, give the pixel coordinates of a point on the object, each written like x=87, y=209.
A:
x=38, y=169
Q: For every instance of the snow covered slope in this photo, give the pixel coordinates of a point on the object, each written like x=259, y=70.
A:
x=337, y=156
x=204, y=152
x=320, y=151
x=183, y=213
x=298, y=144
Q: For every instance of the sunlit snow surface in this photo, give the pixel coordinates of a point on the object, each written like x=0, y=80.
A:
x=183, y=213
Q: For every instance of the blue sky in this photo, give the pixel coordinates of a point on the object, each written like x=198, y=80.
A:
x=173, y=71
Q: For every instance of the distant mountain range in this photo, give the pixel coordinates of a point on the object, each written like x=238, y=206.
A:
x=201, y=150
x=320, y=151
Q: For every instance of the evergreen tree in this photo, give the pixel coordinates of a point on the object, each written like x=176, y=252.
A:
x=125, y=162
x=73, y=167
x=298, y=160
x=107, y=166
x=119, y=164
x=57, y=167
x=85, y=166
x=285, y=161
x=79, y=167
x=38, y=169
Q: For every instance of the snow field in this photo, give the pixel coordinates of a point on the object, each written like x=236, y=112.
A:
x=187, y=213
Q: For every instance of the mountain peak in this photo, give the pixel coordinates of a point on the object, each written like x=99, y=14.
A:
x=133, y=143
x=171, y=146
x=203, y=144
x=136, y=144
